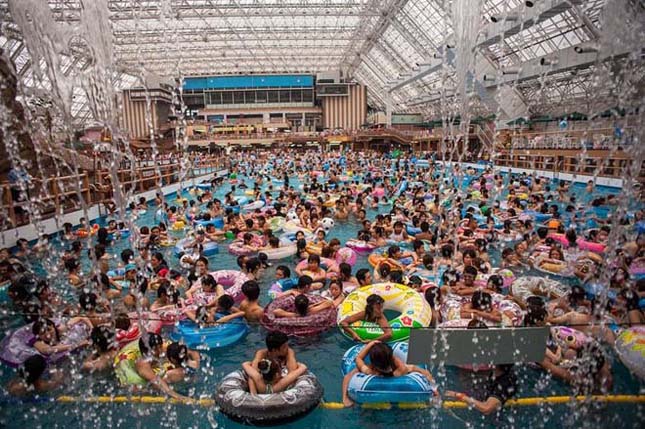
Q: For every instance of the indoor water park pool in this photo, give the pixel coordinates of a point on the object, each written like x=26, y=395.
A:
x=88, y=399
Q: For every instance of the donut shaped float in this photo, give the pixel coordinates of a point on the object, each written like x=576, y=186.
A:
x=284, y=251
x=359, y=245
x=415, y=311
x=363, y=388
x=151, y=323
x=346, y=255
x=630, y=346
x=234, y=400
x=218, y=223
x=17, y=346
x=209, y=337
x=527, y=286
x=210, y=247
x=281, y=286
x=298, y=326
x=232, y=281
x=237, y=248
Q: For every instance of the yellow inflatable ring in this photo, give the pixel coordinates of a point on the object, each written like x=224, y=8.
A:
x=314, y=249
x=178, y=225
x=415, y=311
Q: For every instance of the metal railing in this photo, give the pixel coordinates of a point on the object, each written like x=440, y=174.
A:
x=58, y=195
x=614, y=165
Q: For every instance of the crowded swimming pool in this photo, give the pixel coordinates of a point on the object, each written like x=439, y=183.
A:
x=323, y=353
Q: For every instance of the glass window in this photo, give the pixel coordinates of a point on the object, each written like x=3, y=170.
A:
x=285, y=96
x=261, y=96
x=238, y=97
x=227, y=98
x=273, y=97
x=296, y=95
x=215, y=98
x=307, y=95
x=249, y=97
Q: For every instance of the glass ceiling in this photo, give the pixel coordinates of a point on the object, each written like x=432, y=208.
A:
x=376, y=42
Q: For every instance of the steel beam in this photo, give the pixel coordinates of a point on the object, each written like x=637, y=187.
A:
x=527, y=17
x=371, y=35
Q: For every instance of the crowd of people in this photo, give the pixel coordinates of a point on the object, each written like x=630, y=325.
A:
x=463, y=239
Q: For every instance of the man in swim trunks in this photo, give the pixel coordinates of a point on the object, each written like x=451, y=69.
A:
x=278, y=349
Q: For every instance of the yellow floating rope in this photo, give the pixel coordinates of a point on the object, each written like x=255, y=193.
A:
x=520, y=402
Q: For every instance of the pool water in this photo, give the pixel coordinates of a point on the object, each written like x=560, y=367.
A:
x=322, y=354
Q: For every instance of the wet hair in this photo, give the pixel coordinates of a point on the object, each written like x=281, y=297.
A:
x=396, y=276
x=393, y=250
x=32, y=368
x=470, y=270
x=450, y=276
x=285, y=270
x=122, y=322
x=252, y=265
x=371, y=301
x=302, y=305
x=476, y=324
x=361, y=274
x=40, y=325
x=127, y=255
x=481, y=300
x=225, y=301
x=71, y=264
x=87, y=301
x=384, y=270
x=177, y=353
x=314, y=259
x=382, y=359
x=571, y=236
x=102, y=338
x=496, y=282
x=251, y=290
x=149, y=341
x=534, y=315
x=275, y=340
x=304, y=282
x=345, y=270
x=268, y=368
x=447, y=251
